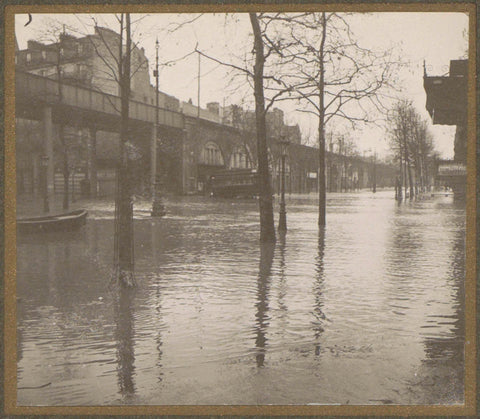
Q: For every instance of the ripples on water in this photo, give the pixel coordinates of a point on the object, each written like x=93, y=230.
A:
x=369, y=311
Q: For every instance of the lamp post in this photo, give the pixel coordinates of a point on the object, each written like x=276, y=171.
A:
x=46, y=205
x=282, y=221
x=158, y=209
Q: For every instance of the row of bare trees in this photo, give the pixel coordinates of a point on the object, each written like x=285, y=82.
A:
x=315, y=60
x=310, y=58
x=412, y=146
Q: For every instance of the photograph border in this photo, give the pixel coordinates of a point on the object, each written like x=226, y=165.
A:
x=10, y=323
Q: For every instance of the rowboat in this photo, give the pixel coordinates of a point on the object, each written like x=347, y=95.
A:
x=60, y=222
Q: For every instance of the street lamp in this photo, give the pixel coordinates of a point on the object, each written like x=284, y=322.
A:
x=158, y=209
x=282, y=222
x=46, y=206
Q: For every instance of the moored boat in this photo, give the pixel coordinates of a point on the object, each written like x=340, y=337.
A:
x=59, y=222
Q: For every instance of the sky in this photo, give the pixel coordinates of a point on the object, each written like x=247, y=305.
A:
x=435, y=38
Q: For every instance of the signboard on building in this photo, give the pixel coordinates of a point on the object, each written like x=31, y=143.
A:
x=452, y=169
x=312, y=175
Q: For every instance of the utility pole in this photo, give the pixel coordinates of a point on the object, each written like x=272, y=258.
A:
x=198, y=88
x=158, y=209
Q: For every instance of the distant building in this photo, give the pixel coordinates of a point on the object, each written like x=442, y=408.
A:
x=447, y=105
x=190, y=147
x=447, y=102
x=90, y=61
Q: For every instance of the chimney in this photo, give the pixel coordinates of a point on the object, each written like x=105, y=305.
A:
x=214, y=107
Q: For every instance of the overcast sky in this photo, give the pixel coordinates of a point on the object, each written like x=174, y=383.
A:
x=434, y=37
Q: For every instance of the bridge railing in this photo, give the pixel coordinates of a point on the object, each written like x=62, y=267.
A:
x=37, y=88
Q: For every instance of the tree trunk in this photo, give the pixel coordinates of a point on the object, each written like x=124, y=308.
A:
x=322, y=201
x=124, y=203
x=400, y=179
x=267, y=226
x=410, y=179
x=425, y=174
x=408, y=172
x=404, y=180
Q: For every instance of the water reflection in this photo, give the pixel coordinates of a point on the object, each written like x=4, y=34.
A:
x=263, y=287
x=156, y=244
x=369, y=310
x=448, y=345
x=282, y=282
x=124, y=333
x=318, y=290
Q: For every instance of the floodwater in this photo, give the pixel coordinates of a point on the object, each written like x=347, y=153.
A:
x=369, y=311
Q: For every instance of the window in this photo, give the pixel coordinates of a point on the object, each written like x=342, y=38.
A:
x=79, y=49
x=44, y=55
x=81, y=68
x=29, y=57
x=238, y=159
x=212, y=155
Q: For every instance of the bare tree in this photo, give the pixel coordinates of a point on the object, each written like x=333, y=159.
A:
x=264, y=47
x=422, y=153
x=119, y=60
x=333, y=76
x=401, y=128
x=124, y=243
x=267, y=227
x=412, y=146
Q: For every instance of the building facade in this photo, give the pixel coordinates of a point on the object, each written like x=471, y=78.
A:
x=192, y=143
x=447, y=105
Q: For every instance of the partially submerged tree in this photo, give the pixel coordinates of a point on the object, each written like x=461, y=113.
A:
x=120, y=60
x=263, y=48
x=333, y=76
x=412, y=146
x=114, y=51
x=124, y=259
x=267, y=227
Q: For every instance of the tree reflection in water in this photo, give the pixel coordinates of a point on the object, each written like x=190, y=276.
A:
x=263, y=286
x=282, y=284
x=125, y=345
x=445, y=355
x=318, y=289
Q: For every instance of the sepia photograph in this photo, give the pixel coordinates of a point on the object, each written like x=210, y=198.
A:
x=242, y=208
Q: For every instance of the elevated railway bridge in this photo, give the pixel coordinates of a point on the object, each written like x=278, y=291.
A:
x=38, y=98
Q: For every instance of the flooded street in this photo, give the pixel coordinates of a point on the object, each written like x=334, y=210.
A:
x=369, y=311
